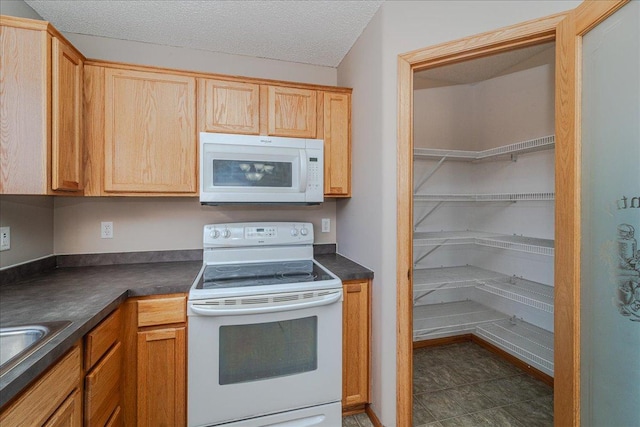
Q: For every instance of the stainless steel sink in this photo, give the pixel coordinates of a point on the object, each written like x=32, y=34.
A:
x=18, y=342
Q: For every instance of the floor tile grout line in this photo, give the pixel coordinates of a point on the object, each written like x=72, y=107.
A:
x=492, y=408
x=424, y=361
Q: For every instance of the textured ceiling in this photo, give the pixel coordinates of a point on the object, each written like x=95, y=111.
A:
x=306, y=31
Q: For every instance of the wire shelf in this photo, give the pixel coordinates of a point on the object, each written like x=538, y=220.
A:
x=536, y=144
x=497, y=197
x=429, y=238
x=524, y=291
x=494, y=240
x=452, y=318
x=426, y=279
x=530, y=245
x=523, y=340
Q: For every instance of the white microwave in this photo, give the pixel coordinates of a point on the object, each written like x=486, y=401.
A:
x=260, y=169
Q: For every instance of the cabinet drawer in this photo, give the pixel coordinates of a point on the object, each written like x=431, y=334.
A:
x=40, y=400
x=101, y=338
x=162, y=311
x=102, y=388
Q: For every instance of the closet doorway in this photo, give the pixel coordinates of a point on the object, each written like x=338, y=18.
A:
x=444, y=178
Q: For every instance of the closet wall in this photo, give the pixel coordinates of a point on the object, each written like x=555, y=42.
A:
x=493, y=280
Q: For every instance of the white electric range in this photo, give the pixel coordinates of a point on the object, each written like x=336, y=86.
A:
x=265, y=330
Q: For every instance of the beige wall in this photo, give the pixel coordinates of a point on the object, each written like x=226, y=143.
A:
x=156, y=224
x=18, y=8
x=200, y=60
x=73, y=224
x=371, y=68
x=502, y=110
x=31, y=222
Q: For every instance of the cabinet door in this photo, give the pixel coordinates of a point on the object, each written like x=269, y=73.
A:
x=161, y=377
x=355, y=343
x=41, y=400
x=150, y=136
x=337, y=144
x=230, y=107
x=291, y=112
x=69, y=414
x=24, y=108
x=66, y=117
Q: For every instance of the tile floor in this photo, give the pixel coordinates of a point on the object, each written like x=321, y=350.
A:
x=465, y=385
x=358, y=420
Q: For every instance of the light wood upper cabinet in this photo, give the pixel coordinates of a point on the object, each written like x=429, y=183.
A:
x=356, y=347
x=40, y=83
x=337, y=144
x=291, y=112
x=66, y=121
x=149, y=132
x=228, y=107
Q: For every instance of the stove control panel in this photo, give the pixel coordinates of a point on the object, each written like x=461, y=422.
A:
x=252, y=234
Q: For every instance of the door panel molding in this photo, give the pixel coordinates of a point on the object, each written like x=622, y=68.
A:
x=516, y=36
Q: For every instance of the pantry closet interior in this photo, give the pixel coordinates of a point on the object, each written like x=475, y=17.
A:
x=483, y=203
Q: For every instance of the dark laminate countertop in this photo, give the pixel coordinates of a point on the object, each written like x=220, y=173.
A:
x=343, y=267
x=86, y=295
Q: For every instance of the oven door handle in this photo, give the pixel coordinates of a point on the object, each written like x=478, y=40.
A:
x=210, y=310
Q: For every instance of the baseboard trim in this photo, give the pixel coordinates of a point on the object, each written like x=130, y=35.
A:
x=352, y=410
x=372, y=416
x=442, y=341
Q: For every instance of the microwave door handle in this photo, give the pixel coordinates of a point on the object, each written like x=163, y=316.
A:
x=204, y=310
x=303, y=170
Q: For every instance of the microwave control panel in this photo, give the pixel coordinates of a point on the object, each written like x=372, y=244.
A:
x=314, y=173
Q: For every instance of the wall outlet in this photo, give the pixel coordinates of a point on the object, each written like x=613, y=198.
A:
x=106, y=230
x=326, y=225
x=5, y=238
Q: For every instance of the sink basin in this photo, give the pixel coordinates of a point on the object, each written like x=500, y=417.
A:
x=18, y=342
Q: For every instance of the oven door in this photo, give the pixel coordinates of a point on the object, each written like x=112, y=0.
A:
x=249, y=358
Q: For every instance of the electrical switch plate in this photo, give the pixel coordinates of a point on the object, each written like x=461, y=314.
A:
x=5, y=238
x=326, y=225
x=106, y=230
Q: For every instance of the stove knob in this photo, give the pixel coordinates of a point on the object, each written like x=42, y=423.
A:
x=214, y=234
x=294, y=232
x=226, y=233
x=304, y=231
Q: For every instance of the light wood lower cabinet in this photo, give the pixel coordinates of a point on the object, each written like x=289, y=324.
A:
x=161, y=377
x=155, y=361
x=69, y=414
x=53, y=400
x=356, y=347
x=103, y=364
